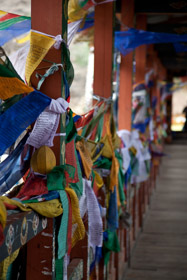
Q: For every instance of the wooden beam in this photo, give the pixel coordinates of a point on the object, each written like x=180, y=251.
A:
x=126, y=68
x=161, y=7
x=18, y=223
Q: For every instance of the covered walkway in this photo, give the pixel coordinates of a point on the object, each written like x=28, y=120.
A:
x=161, y=249
x=80, y=198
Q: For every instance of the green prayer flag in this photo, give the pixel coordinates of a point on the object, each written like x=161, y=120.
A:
x=110, y=245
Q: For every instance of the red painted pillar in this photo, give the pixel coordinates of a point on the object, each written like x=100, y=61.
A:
x=103, y=52
x=140, y=57
x=103, y=49
x=125, y=94
x=47, y=17
x=161, y=77
x=103, y=62
x=126, y=68
x=156, y=89
x=149, y=66
x=140, y=52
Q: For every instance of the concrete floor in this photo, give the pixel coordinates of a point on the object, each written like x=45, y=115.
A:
x=161, y=250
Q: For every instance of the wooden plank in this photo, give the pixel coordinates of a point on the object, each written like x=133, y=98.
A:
x=134, y=216
x=155, y=274
x=140, y=207
x=163, y=257
x=162, y=247
x=163, y=239
x=160, y=7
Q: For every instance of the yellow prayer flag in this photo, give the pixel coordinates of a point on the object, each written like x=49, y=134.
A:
x=75, y=11
x=85, y=156
x=12, y=86
x=39, y=47
x=2, y=13
x=78, y=231
x=49, y=209
x=99, y=179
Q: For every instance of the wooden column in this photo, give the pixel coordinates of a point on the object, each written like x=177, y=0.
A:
x=161, y=77
x=149, y=65
x=126, y=68
x=47, y=17
x=103, y=49
x=103, y=63
x=140, y=57
x=156, y=90
x=140, y=52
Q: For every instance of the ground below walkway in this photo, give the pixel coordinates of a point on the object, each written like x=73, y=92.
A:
x=161, y=250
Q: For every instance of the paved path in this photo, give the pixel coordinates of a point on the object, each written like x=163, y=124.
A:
x=161, y=251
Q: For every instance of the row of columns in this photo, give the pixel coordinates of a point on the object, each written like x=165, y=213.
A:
x=103, y=46
x=48, y=17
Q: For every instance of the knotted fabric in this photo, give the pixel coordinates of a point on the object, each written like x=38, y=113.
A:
x=50, y=209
